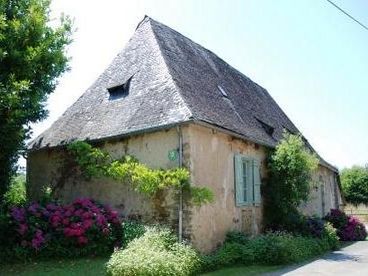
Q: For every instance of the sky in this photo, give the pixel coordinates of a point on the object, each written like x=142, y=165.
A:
x=311, y=58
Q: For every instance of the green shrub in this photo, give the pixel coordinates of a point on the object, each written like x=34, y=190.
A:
x=290, y=167
x=330, y=236
x=349, y=228
x=231, y=253
x=236, y=237
x=132, y=230
x=16, y=194
x=157, y=252
x=274, y=248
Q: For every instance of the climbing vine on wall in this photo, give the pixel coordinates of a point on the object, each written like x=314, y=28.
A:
x=96, y=163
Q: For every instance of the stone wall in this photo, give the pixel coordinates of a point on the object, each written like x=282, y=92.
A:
x=324, y=194
x=208, y=153
x=48, y=167
x=210, y=156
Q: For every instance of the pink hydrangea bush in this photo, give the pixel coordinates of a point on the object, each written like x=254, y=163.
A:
x=84, y=225
x=349, y=228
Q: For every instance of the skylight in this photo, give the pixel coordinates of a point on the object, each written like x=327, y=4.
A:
x=223, y=92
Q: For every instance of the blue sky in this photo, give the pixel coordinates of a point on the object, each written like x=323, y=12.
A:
x=311, y=58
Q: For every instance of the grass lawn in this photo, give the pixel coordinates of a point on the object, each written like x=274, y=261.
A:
x=95, y=266
x=243, y=270
x=89, y=267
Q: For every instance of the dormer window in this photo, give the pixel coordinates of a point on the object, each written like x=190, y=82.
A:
x=119, y=91
x=223, y=92
x=267, y=128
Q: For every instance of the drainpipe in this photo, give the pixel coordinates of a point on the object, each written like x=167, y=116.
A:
x=180, y=230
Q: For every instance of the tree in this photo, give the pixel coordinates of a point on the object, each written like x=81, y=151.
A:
x=290, y=168
x=32, y=57
x=354, y=182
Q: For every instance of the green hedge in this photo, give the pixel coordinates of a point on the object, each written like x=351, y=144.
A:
x=157, y=252
x=270, y=249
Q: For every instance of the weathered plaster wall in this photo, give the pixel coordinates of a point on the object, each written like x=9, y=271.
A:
x=46, y=167
x=324, y=194
x=210, y=156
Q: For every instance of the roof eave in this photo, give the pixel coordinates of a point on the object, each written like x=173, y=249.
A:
x=115, y=137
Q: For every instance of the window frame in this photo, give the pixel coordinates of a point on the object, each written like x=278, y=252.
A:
x=251, y=180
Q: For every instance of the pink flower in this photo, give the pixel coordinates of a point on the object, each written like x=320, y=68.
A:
x=38, y=239
x=86, y=215
x=78, y=212
x=101, y=221
x=105, y=231
x=82, y=240
x=51, y=207
x=87, y=224
x=116, y=221
x=68, y=232
x=33, y=207
x=65, y=221
x=22, y=229
x=18, y=214
x=68, y=213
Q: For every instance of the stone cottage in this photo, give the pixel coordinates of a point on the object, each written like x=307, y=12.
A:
x=170, y=102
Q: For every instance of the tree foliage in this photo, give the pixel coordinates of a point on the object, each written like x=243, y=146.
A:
x=16, y=194
x=95, y=162
x=290, y=174
x=354, y=183
x=32, y=57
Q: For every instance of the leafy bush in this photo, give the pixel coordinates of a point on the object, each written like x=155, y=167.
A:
x=329, y=235
x=229, y=254
x=83, y=227
x=273, y=248
x=16, y=194
x=349, y=228
x=236, y=237
x=290, y=173
x=354, y=230
x=313, y=226
x=157, y=252
x=338, y=219
x=283, y=248
x=354, y=182
x=131, y=231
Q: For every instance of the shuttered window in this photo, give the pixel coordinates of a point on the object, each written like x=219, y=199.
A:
x=247, y=181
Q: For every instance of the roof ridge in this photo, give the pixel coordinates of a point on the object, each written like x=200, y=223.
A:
x=191, y=116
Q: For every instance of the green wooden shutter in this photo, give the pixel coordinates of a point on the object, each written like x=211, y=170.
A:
x=239, y=184
x=257, y=182
x=249, y=181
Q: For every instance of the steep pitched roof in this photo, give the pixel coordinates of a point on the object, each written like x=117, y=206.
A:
x=172, y=80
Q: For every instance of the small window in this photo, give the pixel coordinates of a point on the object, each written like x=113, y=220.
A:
x=267, y=128
x=119, y=91
x=247, y=181
x=223, y=92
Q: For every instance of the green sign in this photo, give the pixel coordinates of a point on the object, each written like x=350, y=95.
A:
x=173, y=155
